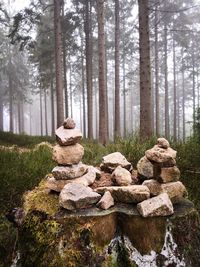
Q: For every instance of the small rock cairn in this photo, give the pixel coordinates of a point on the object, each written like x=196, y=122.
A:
x=155, y=189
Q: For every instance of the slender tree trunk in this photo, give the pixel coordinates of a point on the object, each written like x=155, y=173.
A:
x=1, y=114
x=88, y=53
x=83, y=93
x=64, y=61
x=106, y=81
x=175, y=92
x=58, y=61
x=70, y=86
x=19, y=117
x=45, y=112
x=41, y=117
x=157, y=102
x=183, y=95
x=52, y=106
x=167, y=132
x=30, y=119
x=193, y=82
x=10, y=103
x=22, y=116
x=103, y=131
x=117, y=81
x=145, y=73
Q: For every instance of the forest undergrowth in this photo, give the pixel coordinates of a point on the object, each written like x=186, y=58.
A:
x=23, y=166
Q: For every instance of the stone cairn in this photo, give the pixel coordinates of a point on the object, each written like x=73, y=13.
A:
x=155, y=189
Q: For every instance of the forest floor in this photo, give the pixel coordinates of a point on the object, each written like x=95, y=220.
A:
x=25, y=160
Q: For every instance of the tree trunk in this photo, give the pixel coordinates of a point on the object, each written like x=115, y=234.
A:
x=88, y=53
x=19, y=117
x=167, y=132
x=145, y=73
x=1, y=114
x=157, y=102
x=183, y=95
x=103, y=131
x=64, y=62
x=193, y=81
x=117, y=81
x=70, y=89
x=83, y=93
x=52, y=106
x=10, y=102
x=58, y=62
x=41, y=117
x=45, y=111
x=175, y=92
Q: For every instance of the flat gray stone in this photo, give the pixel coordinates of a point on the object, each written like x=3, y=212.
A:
x=76, y=196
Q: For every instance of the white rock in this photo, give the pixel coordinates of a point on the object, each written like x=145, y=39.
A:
x=68, y=155
x=121, y=176
x=154, y=187
x=160, y=205
x=175, y=190
x=145, y=168
x=69, y=172
x=161, y=155
x=76, y=196
x=162, y=142
x=106, y=201
x=126, y=194
x=66, y=137
x=113, y=160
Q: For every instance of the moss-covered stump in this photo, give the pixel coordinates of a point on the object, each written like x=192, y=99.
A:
x=50, y=236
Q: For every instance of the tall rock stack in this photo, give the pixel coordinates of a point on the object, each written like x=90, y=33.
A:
x=71, y=178
x=161, y=175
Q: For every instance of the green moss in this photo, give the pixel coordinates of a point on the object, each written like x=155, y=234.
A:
x=40, y=199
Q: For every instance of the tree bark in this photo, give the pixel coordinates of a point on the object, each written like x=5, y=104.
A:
x=193, y=82
x=52, y=106
x=183, y=95
x=45, y=112
x=167, y=132
x=88, y=54
x=157, y=102
x=41, y=117
x=1, y=114
x=70, y=89
x=58, y=61
x=175, y=92
x=64, y=63
x=145, y=73
x=117, y=81
x=103, y=129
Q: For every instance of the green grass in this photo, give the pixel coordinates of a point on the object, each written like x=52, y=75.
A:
x=23, y=140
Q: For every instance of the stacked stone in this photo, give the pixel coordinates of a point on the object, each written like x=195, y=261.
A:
x=71, y=178
x=158, y=169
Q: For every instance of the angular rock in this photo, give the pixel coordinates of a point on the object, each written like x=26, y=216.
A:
x=154, y=187
x=166, y=175
x=69, y=172
x=68, y=155
x=175, y=190
x=145, y=168
x=113, y=160
x=126, y=194
x=76, y=196
x=157, y=206
x=161, y=155
x=55, y=185
x=69, y=123
x=163, y=143
x=86, y=180
x=106, y=201
x=121, y=176
x=67, y=137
